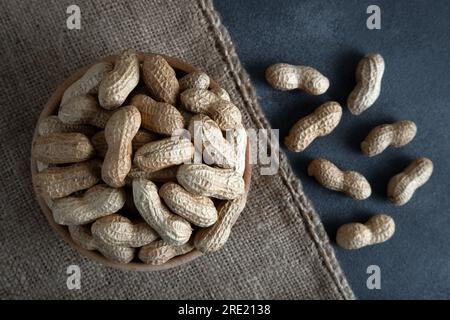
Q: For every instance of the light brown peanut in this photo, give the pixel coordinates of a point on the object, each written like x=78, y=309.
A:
x=368, y=77
x=58, y=148
x=209, y=141
x=160, y=78
x=117, y=230
x=171, y=228
x=118, y=83
x=163, y=175
x=97, y=202
x=402, y=186
x=283, y=76
x=58, y=182
x=88, y=83
x=159, y=117
x=377, y=229
x=159, y=252
x=196, y=79
x=198, y=210
x=52, y=124
x=119, y=133
x=164, y=153
x=396, y=135
x=317, y=124
x=83, y=110
x=142, y=137
x=223, y=112
x=207, y=181
x=331, y=177
x=213, y=238
x=82, y=235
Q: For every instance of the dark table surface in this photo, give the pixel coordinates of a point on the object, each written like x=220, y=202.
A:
x=332, y=36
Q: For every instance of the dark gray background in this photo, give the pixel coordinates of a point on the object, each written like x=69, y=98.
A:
x=332, y=36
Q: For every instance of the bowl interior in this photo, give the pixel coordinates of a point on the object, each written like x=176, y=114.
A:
x=51, y=108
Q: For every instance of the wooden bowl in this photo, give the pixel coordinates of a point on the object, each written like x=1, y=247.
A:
x=51, y=108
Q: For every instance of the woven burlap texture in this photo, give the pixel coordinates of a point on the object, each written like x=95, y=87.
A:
x=278, y=248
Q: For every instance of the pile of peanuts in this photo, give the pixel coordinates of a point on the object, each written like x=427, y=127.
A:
x=116, y=164
x=325, y=119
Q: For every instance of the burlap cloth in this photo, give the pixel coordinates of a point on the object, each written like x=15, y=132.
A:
x=278, y=248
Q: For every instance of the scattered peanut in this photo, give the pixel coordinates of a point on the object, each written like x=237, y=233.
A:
x=117, y=230
x=378, y=229
x=283, y=76
x=119, y=133
x=318, y=124
x=98, y=201
x=207, y=181
x=88, y=83
x=396, y=135
x=209, y=141
x=118, y=83
x=158, y=117
x=171, y=228
x=198, y=210
x=52, y=124
x=368, y=77
x=331, y=177
x=159, y=252
x=196, y=79
x=58, y=182
x=213, y=238
x=60, y=148
x=164, y=153
x=83, y=236
x=160, y=78
x=402, y=186
x=142, y=137
x=83, y=110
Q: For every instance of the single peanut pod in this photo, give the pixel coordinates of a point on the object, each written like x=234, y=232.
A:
x=82, y=235
x=171, y=228
x=88, y=83
x=377, y=229
x=207, y=181
x=368, y=77
x=159, y=252
x=97, y=202
x=82, y=110
x=163, y=175
x=213, y=238
x=402, y=186
x=58, y=148
x=225, y=114
x=142, y=137
x=196, y=79
x=164, y=153
x=283, y=76
x=52, y=124
x=160, y=78
x=119, y=133
x=158, y=117
x=118, y=83
x=317, y=124
x=117, y=230
x=331, y=177
x=58, y=182
x=209, y=140
x=221, y=93
x=396, y=135
x=198, y=210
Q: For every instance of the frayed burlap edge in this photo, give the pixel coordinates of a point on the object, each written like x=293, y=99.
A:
x=305, y=209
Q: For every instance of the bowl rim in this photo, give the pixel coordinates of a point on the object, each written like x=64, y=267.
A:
x=51, y=108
